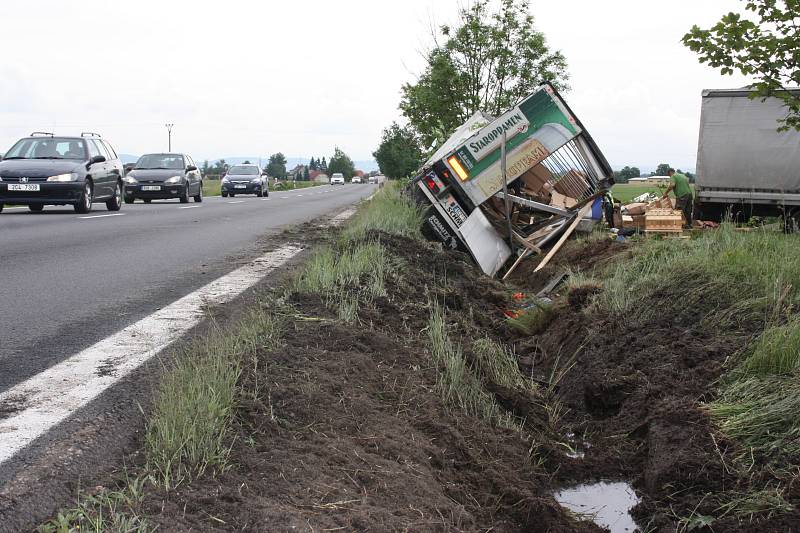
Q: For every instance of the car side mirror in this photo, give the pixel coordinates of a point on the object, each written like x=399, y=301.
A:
x=191, y=168
x=97, y=159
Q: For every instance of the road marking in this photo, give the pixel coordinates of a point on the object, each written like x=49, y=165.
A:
x=264, y=199
x=299, y=195
x=103, y=216
x=283, y=198
x=237, y=202
x=53, y=395
x=190, y=206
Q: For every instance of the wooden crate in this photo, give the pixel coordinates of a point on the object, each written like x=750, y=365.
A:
x=663, y=221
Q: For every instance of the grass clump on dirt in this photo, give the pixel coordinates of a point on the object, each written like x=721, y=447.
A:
x=455, y=381
x=188, y=431
x=389, y=211
x=344, y=275
x=746, y=276
x=106, y=511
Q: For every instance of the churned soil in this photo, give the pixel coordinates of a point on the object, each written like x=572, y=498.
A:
x=347, y=431
x=634, y=393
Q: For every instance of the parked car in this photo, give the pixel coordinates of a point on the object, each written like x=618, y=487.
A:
x=356, y=179
x=337, y=178
x=373, y=179
x=161, y=176
x=45, y=170
x=245, y=179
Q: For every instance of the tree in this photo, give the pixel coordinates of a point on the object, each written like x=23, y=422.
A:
x=622, y=176
x=767, y=49
x=276, y=167
x=399, y=153
x=662, y=170
x=340, y=162
x=306, y=174
x=490, y=60
x=313, y=164
x=205, y=167
x=323, y=166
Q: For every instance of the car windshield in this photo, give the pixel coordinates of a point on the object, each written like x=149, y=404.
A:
x=47, y=148
x=242, y=170
x=160, y=161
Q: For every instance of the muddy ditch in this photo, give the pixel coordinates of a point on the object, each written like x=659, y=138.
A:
x=345, y=426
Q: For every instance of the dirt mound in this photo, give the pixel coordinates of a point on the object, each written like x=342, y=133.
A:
x=346, y=431
x=576, y=255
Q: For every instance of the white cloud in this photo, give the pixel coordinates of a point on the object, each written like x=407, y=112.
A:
x=245, y=78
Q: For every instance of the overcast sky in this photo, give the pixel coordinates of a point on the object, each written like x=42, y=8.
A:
x=244, y=78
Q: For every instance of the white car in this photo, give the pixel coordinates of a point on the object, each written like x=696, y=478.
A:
x=337, y=179
x=356, y=179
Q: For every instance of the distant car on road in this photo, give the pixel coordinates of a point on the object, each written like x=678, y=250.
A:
x=356, y=179
x=373, y=179
x=337, y=179
x=160, y=176
x=245, y=179
x=45, y=170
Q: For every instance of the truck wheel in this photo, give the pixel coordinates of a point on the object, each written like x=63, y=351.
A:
x=36, y=208
x=147, y=200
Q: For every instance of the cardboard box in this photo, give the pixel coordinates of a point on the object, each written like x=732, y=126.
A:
x=636, y=208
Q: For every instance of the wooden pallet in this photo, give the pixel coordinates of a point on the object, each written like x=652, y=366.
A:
x=660, y=220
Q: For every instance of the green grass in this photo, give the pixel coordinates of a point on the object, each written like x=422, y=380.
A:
x=389, y=211
x=107, y=511
x=344, y=275
x=626, y=192
x=188, y=431
x=211, y=187
x=456, y=382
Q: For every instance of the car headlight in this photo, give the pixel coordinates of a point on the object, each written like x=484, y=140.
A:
x=72, y=176
x=225, y=180
x=174, y=179
x=130, y=180
x=255, y=180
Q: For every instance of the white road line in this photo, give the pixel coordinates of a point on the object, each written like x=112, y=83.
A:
x=283, y=198
x=53, y=395
x=190, y=206
x=299, y=195
x=103, y=216
x=237, y=202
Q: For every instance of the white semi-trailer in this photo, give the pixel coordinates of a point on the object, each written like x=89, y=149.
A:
x=745, y=166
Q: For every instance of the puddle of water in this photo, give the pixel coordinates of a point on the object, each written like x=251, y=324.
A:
x=606, y=504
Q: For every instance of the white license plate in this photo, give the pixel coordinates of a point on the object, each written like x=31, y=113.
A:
x=23, y=186
x=151, y=187
x=240, y=186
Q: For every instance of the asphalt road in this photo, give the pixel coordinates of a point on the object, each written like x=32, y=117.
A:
x=70, y=280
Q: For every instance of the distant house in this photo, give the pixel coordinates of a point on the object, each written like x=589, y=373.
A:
x=638, y=180
x=658, y=180
x=297, y=172
x=359, y=173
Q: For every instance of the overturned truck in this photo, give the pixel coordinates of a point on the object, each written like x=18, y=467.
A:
x=513, y=185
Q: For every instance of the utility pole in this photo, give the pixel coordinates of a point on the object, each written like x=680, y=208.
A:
x=169, y=136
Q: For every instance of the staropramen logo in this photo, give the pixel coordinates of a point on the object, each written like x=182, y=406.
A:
x=491, y=136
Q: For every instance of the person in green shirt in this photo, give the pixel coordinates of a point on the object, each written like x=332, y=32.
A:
x=684, y=199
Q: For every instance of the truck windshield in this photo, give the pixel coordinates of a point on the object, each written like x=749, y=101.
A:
x=47, y=148
x=160, y=161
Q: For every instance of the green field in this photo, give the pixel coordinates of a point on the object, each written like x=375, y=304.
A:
x=212, y=187
x=625, y=192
